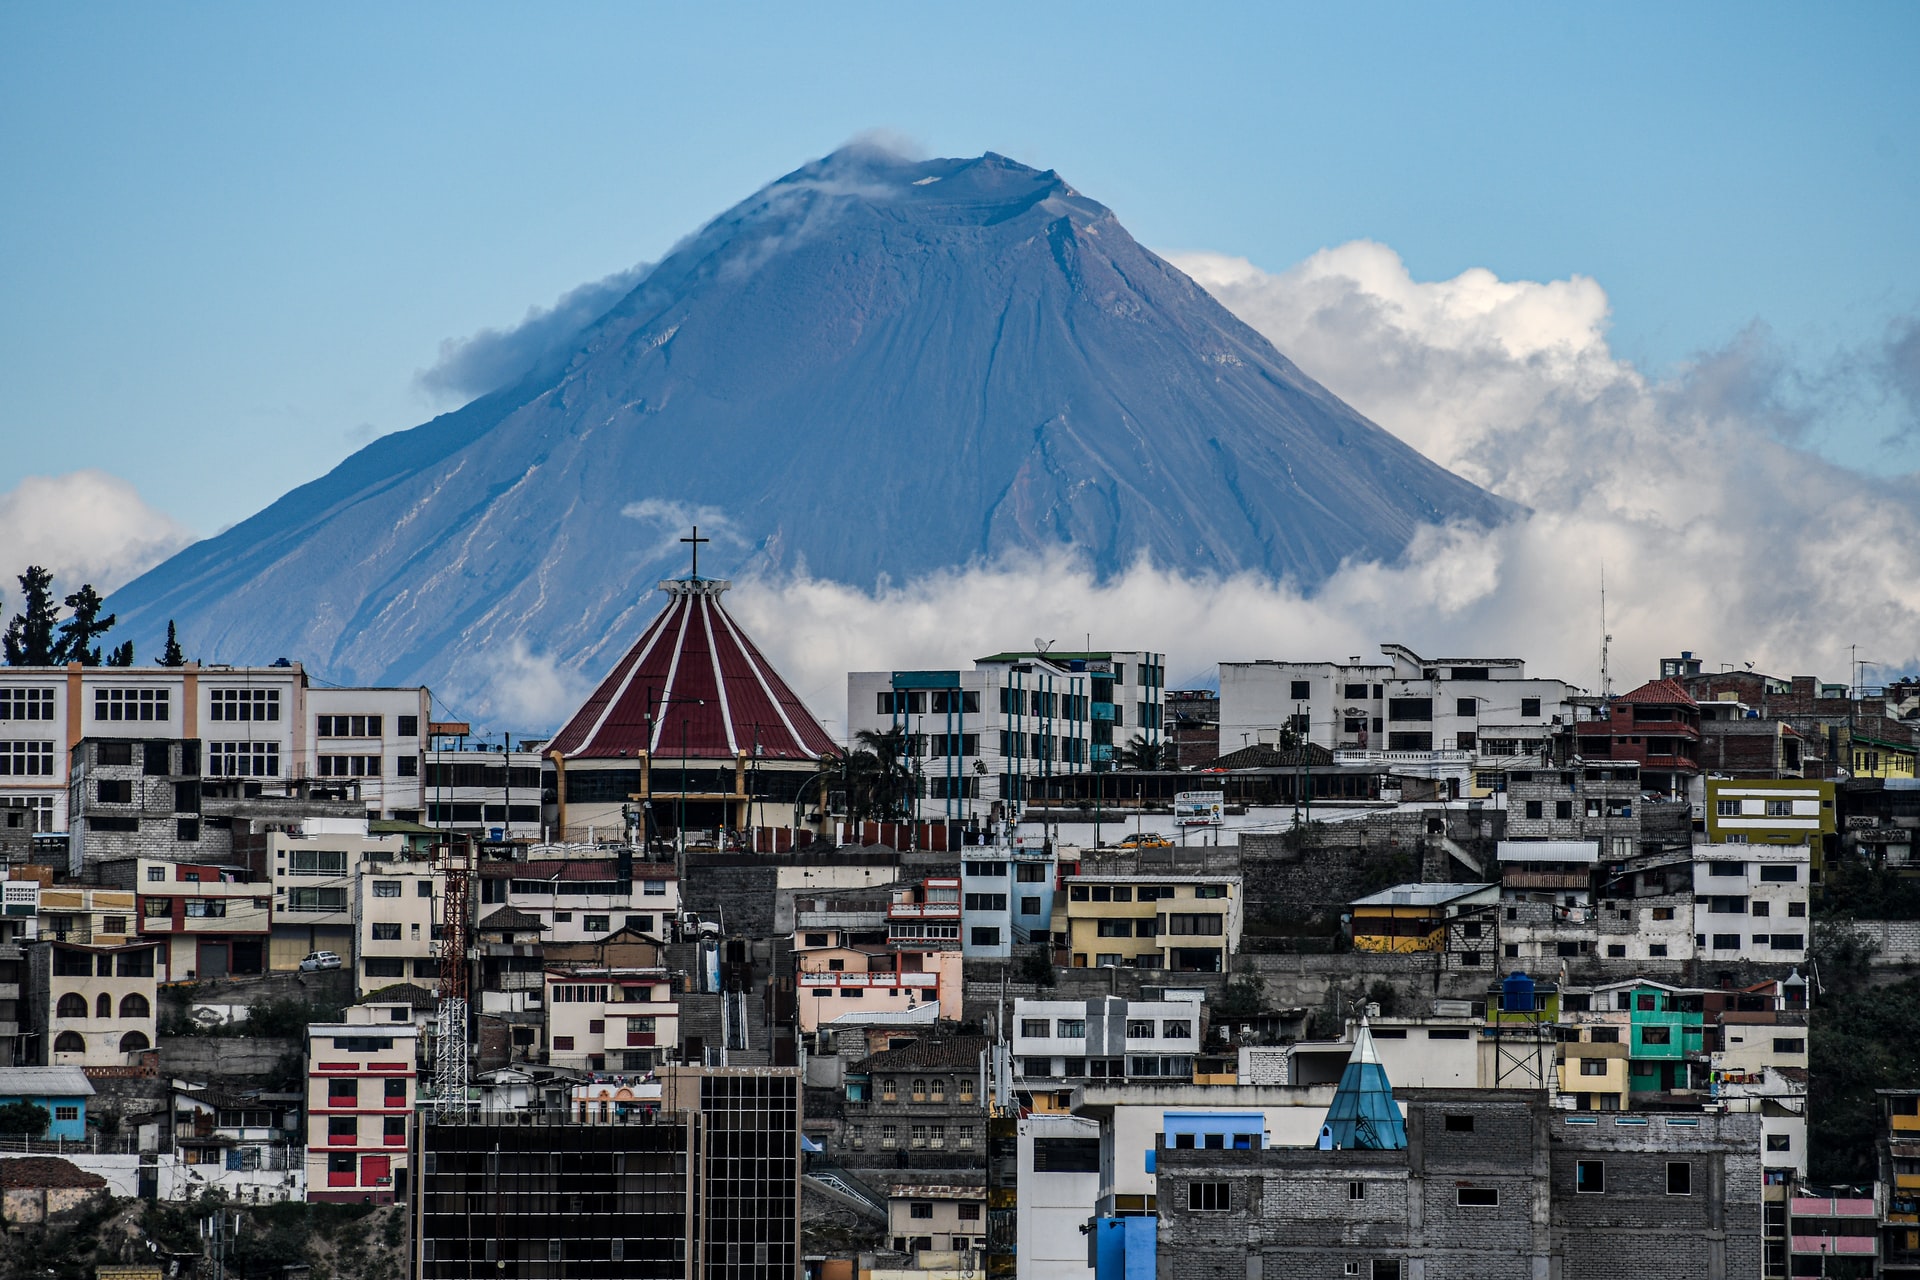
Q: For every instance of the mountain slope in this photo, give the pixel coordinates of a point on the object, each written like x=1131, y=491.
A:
x=871, y=367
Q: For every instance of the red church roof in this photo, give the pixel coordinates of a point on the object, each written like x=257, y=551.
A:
x=693, y=666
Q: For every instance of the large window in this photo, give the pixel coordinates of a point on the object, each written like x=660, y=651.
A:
x=244, y=704
x=1415, y=710
x=1209, y=1197
x=1193, y=924
x=349, y=766
x=26, y=759
x=130, y=704
x=243, y=759
x=26, y=704
x=1066, y=1155
x=316, y=899
x=316, y=862
x=348, y=726
x=1589, y=1177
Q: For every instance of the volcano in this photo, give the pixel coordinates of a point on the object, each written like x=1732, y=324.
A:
x=871, y=369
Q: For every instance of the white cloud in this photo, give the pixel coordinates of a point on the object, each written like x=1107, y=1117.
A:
x=86, y=526
x=1715, y=533
x=529, y=691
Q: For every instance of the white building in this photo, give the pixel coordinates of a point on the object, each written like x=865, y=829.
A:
x=611, y=1018
x=1006, y=898
x=252, y=723
x=1750, y=902
x=1407, y=706
x=1056, y=1042
x=576, y=893
x=487, y=791
x=91, y=1006
x=314, y=872
x=1059, y=1180
x=999, y=731
x=361, y=1081
x=396, y=923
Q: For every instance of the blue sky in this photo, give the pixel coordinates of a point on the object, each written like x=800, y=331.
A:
x=233, y=235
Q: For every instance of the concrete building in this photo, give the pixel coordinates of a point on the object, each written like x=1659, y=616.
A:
x=1656, y=726
x=90, y=1005
x=374, y=737
x=210, y=921
x=1898, y=1152
x=1408, y=706
x=484, y=791
x=1006, y=899
x=1419, y=917
x=1060, y=1042
x=1178, y=923
x=1769, y=811
x=937, y=1218
x=1596, y=801
x=583, y=893
x=396, y=907
x=1751, y=902
x=361, y=1080
x=989, y=740
x=921, y=1106
x=1057, y=1180
x=621, y=1017
x=1489, y=1183
x=314, y=871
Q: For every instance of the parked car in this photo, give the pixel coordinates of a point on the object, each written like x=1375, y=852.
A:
x=317, y=960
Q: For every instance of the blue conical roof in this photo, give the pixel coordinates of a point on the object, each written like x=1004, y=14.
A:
x=1364, y=1114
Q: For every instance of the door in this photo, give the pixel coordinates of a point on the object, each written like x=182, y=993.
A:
x=376, y=1171
x=213, y=960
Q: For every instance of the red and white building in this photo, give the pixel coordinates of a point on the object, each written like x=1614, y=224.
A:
x=361, y=1082
x=210, y=921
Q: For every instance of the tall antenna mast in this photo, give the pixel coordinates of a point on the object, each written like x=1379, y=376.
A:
x=1606, y=638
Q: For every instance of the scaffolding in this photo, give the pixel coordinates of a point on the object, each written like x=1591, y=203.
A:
x=450, y=1032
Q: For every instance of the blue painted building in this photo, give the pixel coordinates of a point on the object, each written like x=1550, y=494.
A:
x=1124, y=1246
x=63, y=1091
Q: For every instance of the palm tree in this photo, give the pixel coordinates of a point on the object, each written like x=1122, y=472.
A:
x=1141, y=754
x=877, y=774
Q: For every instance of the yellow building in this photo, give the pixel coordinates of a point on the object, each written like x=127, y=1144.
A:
x=1594, y=1070
x=1770, y=810
x=1881, y=757
x=1413, y=917
x=1186, y=924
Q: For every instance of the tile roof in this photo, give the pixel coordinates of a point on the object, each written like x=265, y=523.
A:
x=957, y=1053
x=1661, y=691
x=402, y=993
x=508, y=918
x=47, y=1171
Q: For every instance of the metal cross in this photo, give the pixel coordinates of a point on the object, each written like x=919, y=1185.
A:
x=696, y=540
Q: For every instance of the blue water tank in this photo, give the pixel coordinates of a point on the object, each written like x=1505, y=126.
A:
x=1516, y=993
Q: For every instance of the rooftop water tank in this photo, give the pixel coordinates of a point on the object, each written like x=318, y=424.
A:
x=1516, y=993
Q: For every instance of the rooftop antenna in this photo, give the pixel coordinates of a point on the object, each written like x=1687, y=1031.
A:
x=1041, y=646
x=1606, y=638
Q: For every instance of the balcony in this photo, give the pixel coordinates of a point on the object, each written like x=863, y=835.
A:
x=1838, y=1246
x=1103, y=711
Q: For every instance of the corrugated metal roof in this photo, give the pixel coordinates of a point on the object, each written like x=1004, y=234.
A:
x=46, y=1082
x=1585, y=851
x=1420, y=895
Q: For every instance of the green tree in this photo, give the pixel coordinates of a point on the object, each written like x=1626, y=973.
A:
x=1141, y=754
x=1037, y=966
x=24, y=1119
x=877, y=776
x=79, y=632
x=173, y=655
x=121, y=655
x=30, y=639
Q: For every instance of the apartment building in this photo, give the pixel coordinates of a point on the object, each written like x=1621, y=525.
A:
x=1006, y=899
x=1487, y=708
x=893, y=979
x=1059, y=1041
x=480, y=790
x=1180, y=923
x=1656, y=726
x=937, y=1218
x=209, y=921
x=580, y=894
x=248, y=723
x=1596, y=802
x=918, y=1106
x=90, y=1005
x=314, y=871
x=1751, y=902
x=610, y=1005
x=396, y=906
x=1769, y=811
x=361, y=1082
x=999, y=731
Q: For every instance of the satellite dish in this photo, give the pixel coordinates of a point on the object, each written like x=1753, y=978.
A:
x=1041, y=646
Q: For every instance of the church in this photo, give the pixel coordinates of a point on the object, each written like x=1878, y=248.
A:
x=691, y=736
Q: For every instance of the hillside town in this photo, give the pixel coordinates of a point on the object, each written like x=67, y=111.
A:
x=1382, y=965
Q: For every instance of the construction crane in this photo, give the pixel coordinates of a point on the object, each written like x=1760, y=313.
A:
x=450, y=1033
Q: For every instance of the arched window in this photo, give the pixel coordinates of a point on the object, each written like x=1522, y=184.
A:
x=71, y=1006
x=103, y=1007
x=133, y=1041
x=134, y=1005
x=69, y=1042
x=919, y=1090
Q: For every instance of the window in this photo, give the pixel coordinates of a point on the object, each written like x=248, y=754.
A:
x=1656, y=1035
x=1593, y=1066
x=1140, y=1029
x=26, y=759
x=347, y=1127
x=1356, y=1191
x=386, y=888
x=1176, y=1029
x=244, y=704
x=1194, y=925
x=1726, y=808
x=130, y=704
x=349, y=766
x=920, y=1209
x=985, y=935
x=1726, y=942
x=1477, y=1197
x=71, y=1006
x=243, y=759
x=1590, y=1177
x=1459, y=1124
x=1789, y=1044
x=1780, y=875
x=386, y=932
x=1038, y=1027
x=595, y=924
x=563, y=1043
x=1726, y=868
x=70, y=1042
x=26, y=704
x=1066, y=1155
x=1300, y=690
x=1779, y=1142
x=1411, y=709
x=1535, y=809
x=1209, y=1197
x=1068, y=1028
x=343, y=1090
x=1679, y=1177
x=1530, y=707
